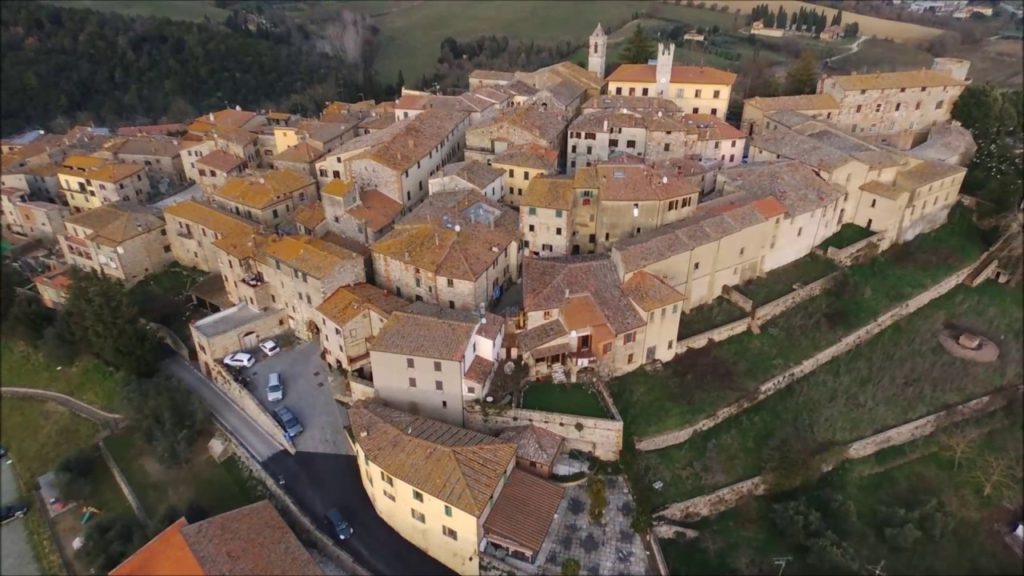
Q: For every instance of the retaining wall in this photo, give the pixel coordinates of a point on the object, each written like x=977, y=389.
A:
x=772, y=309
x=245, y=400
x=725, y=498
x=106, y=419
x=846, y=256
x=600, y=436
x=126, y=488
x=779, y=382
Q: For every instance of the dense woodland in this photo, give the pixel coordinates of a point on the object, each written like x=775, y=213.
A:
x=63, y=66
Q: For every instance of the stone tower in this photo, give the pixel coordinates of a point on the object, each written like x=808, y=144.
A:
x=598, y=49
x=663, y=69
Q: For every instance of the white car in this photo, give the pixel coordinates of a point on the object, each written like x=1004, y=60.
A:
x=240, y=360
x=269, y=347
x=275, y=390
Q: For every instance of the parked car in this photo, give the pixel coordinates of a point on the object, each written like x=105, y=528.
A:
x=269, y=347
x=240, y=360
x=12, y=511
x=275, y=390
x=339, y=526
x=288, y=421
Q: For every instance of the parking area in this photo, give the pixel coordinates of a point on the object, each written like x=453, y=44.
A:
x=307, y=393
x=16, y=556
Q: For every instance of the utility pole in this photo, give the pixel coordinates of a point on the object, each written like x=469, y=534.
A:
x=781, y=562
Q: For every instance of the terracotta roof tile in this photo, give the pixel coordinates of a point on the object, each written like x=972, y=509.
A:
x=890, y=80
x=301, y=153
x=427, y=331
x=115, y=223
x=802, y=102
x=476, y=173
x=680, y=75
x=306, y=254
x=347, y=302
x=541, y=334
x=455, y=465
x=529, y=156
x=210, y=218
x=167, y=554
x=221, y=160
x=263, y=189
x=524, y=511
x=375, y=209
x=636, y=183
x=650, y=292
x=533, y=443
x=310, y=215
x=405, y=143
x=550, y=192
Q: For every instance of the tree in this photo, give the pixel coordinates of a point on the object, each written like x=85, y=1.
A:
x=851, y=30
x=995, y=476
x=598, y=498
x=837, y=18
x=76, y=473
x=639, y=47
x=169, y=416
x=781, y=19
x=802, y=77
x=10, y=277
x=29, y=318
x=111, y=539
x=58, y=343
x=105, y=322
x=570, y=567
x=401, y=81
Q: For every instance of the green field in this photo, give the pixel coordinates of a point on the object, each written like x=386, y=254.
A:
x=577, y=399
x=899, y=375
x=700, y=381
x=214, y=487
x=189, y=10
x=877, y=55
x=848, y=234
x=718, y=312
x=88, y=380
x=873, y=492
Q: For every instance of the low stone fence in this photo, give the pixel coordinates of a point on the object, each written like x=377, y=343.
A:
x=303, y=526
x=772, y=309
x=245, y=400
x=779, y=382
x=714, y=335
x=725, y=498
x=601, y=437
x=126, y=488
x=739, y=299
x=361, y=389
x=848, y=255
x=106, y=419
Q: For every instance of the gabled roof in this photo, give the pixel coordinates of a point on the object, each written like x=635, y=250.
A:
x=427, y=238
x=529, y=156
x=621, y=182
x=262, y=189
x=650, y=292
x=547, y=125
x=794, y=185
x=524, y=511
x=309, y=215
x=167, y=554
x=636, y=103
x=428, y=331
x=926, y=172
x=221, y=160
x=148, y=146
x=550, y=192
x=405, y=143
x=301, y=153
x=457, y=466
x=306, y=254
x=376, y=209
x=680, y=75
x=348, y=302
x=113, y=224
x=534, y=443
x=551, y=282
x=210, y=218
x=478, y=174
x=799, y=103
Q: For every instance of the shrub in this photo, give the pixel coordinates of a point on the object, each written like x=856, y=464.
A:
x=598, y=499
x=76, y=473
x=570, y=567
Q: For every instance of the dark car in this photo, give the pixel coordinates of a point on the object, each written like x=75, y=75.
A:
x=12, y=511
x=339, y=526
x=288, y=421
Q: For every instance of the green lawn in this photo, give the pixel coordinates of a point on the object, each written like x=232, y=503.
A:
x=878, y=55
x=899, y=375
x=780, y=281
x=718, y=312
x=88, y=380
x=848, y=234
x=746, y=539
x=190, y=10
x=216, y=488
x=700, y=381
x=576, y=399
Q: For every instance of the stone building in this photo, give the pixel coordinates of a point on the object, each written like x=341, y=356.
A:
x=267, y=197
x=520, y=164
x=90, y=181
x=546, y=217
x=123, y=241
x=193, y=227
x=363, y=216
x=532, y=124
x=457, y=249
x=470, y=175
x=350, y=320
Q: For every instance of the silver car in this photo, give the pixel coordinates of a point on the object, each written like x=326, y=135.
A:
x=275, y=390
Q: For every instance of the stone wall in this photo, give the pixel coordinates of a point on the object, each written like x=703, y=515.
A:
x=361, y=389
x=733, y=295
x=252, y=408
x=714, y=335
x=772, y=309
x=846, y=256
x=779, y=382
x=725, y=498
x=601, y=437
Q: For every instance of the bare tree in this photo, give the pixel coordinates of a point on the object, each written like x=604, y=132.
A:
x=994, y=474
x=955, y=443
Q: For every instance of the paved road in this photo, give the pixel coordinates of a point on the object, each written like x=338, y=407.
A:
x=16, y=556
x=316, y=481
x=307, y=393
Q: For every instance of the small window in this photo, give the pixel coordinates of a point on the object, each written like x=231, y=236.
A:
x=389, y=495
x=437, y=366
x=873, y=202
x=447, y=510
x=412, y=382
x=696, y=265
x=386, y=478
x=410, y=363
x=439, y=385
x=451, y=283
x=532, y=211
x=629, y=359
x=558, y=213
x=418, y=516
x=417, y=495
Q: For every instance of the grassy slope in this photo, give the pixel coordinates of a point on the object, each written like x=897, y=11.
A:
x=745, y=539
x=780, y=281
x=215, y=487
x=190, y=10
x=701, y=381
x=900, y=375
x=877, y=55
x=88, y=380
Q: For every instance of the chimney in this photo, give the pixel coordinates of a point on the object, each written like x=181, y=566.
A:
x=211, y=116
x=566, y=292
x=605, y=125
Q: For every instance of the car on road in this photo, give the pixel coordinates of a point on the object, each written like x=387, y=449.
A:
x=288, y=421
x=240, y=360
x=269, y=347
x=12, y=511
x=340, y=527
x=275, y=390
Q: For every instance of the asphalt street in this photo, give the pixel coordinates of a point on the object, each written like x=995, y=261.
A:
x=317, y=481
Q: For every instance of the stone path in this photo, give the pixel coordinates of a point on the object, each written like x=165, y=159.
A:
x=612, y=547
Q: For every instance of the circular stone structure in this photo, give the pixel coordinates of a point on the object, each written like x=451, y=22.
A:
x=968, y=346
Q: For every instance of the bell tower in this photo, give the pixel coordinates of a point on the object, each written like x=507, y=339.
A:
x=597, y=50
x=663, y=69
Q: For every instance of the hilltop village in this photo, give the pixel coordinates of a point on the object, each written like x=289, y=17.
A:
x=557, y=224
